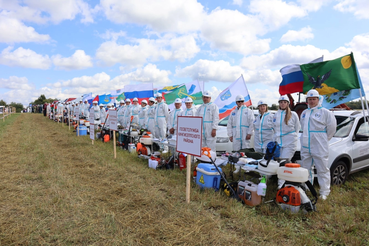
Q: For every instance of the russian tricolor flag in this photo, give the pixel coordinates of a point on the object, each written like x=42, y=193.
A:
x=142, y=92
x=292, y=78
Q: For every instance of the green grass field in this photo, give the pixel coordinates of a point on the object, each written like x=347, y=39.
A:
x=59, y=189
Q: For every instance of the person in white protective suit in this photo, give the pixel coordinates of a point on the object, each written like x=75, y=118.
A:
x=286, y=126
x=240, y=125
x=150, y=116
x=127, y=112
x=120, y=112
x=102, y=113
x=134, y=111
x=190, y=110
x=81, y=109
x=86, y=110
x=210, y=119
x=48, y=110
x=318, y=126
x=142, y=115
x=96, y=112
x=161, y=117
x=263, y=128
x=173, y=114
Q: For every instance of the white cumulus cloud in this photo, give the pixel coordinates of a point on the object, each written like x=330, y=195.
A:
x=14, y=31
x=14, y=82
x=79, y=60
x=304, y=34
x=360, y=8
x=24, y=58
x=205, y=70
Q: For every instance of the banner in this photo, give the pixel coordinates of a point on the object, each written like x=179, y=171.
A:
x=226, y=99
x=331, y=76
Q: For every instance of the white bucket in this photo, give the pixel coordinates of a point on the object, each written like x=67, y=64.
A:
x=153, y=164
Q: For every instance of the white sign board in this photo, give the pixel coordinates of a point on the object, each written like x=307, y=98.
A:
x=1, y=109
x=189, y=131
x=76, y=112
x=92, y=131
x=113, y=117
x=92, y=115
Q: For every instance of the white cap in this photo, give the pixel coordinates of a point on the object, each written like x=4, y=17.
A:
x=144, y=101
x=101, y=105
x=95, y=102
x=159, y=94
x=178, y=100
x=188, y=100
x=135, y=99
x=80, y=100
x=206, y=94
x=151, y=99
x=121, y=101
x=240, y=98
x=312, y=93
x=127, y=100
x=284, y=98
x=261, y=102
x=86, y=100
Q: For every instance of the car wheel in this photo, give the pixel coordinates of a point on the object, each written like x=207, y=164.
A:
x=339, y=173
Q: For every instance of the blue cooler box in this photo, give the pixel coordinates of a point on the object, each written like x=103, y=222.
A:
x=82, y=130
x=208, y=176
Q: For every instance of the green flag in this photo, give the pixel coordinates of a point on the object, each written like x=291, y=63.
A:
x=197, y=98
x=331, y=76
x=180, y=92
x=120, y=98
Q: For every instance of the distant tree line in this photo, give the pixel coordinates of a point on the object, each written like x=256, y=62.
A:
x=42, y=99
x=17, y=106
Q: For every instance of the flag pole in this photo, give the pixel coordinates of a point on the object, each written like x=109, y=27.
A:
x=362, y=104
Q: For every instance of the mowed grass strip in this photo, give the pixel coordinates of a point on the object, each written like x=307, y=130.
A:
x=59, y=189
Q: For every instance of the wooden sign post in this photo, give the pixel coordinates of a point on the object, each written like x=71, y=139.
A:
x=113, y=127
x=92, y=124
x=189, y=131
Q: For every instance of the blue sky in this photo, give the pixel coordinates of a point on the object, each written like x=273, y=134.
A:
x=66, y=48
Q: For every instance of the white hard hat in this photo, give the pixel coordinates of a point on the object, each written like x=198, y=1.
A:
x=178, y=100
x=312, y=93
x=86, y=100
x=261, y=102
x=188, y=100
x=240, y=98
x=206, y=94
x=121, y=101
x=205, y=158
x=127, y=100
x=101, y=105
x=144, y=101
x=284, y=98
x=135, y=99
x=151, y=99
x=159, y=94
x=95, y=102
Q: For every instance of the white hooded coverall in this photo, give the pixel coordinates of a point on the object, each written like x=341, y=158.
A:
x=172, y=122
x=134, y=112
x=286, y=135
x=102, y=115
x=264, y=133
x=318, y=125
x=120, y=114
x=210, y=119
x=142, y=117
x=127, y=120
x=240, y=124
x=188, y=112
x=161, y=118
x=150, y=119
x=86, y=110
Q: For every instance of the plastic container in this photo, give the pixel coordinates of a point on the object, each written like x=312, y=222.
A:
x=81, y=122
x=208, y=176
x=247, y=191
x=293, y=172
x=262, y=187
x=270, y=169
x=134, y=133
x=106, y=138
x=146, y=140
x=131, y=147
x=153, y=164
x=87, y=123
x=82, y=130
